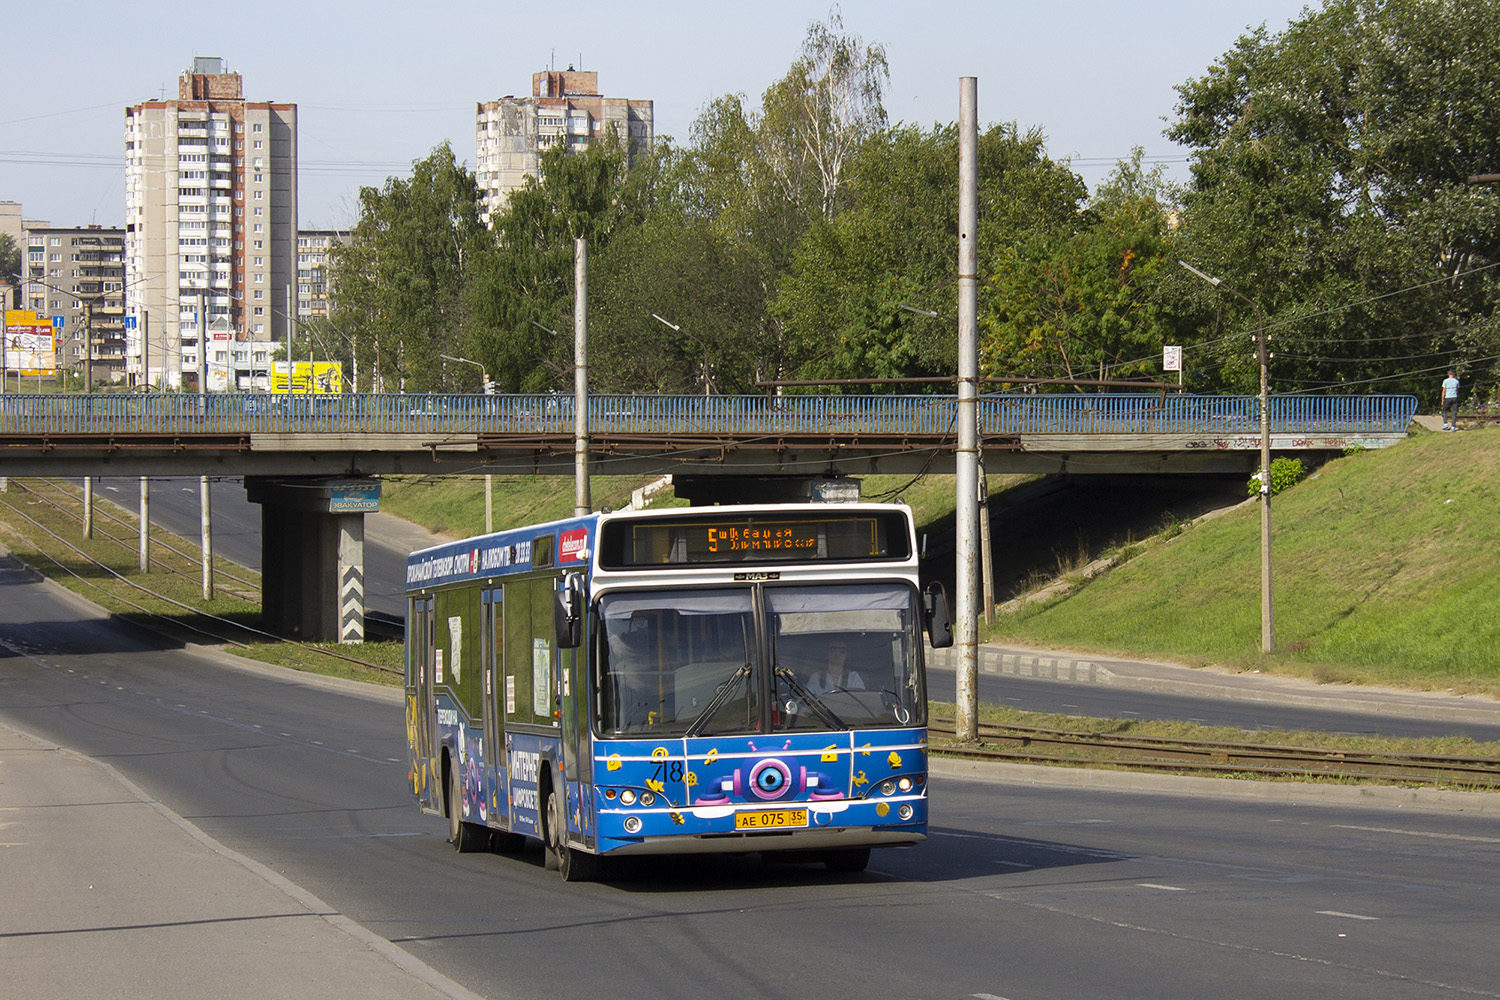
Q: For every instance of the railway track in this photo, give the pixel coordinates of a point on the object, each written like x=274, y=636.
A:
x=71, y=504
x=1035, y=745
x=195, y=625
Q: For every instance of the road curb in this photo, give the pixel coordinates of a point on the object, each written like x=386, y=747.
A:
x=1250, y=789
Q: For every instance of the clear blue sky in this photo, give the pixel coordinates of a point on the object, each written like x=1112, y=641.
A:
x=379, y=84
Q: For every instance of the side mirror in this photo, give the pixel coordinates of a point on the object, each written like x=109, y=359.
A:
x=567, y=614
x=935, y=614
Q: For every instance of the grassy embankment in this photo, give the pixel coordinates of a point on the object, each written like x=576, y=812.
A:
x=1384, y=566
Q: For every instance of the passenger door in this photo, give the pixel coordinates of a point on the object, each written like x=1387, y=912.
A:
x=492, y=659
x=421, y=710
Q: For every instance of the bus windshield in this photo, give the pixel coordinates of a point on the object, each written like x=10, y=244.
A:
x=759, y=659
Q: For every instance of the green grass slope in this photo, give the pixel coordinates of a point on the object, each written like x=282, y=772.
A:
x=1386, y=567
x=454, y=505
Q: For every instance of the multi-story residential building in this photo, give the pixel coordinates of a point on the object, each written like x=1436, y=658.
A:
x=78, y=276
x=313, y=294
x=564, y=107
x=210, y=223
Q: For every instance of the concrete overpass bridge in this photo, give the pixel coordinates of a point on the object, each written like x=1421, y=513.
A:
x=313, y=462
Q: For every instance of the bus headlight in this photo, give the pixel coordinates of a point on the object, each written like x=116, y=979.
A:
x=648, y=798
x=888, y=787
x=904, y=784
x=628, y=797
x=904, y=811
x=632, y=824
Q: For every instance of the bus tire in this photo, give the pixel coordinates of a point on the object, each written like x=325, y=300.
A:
x=465, y=837
x=572, y=865
x=850, y=861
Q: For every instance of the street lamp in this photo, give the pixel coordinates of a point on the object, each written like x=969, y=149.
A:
x=489, y=387
x=489, y=477
x=707, y=370
x=1267, y=609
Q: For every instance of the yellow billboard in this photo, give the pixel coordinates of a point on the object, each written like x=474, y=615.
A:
x=315, y=377
x=30, y=345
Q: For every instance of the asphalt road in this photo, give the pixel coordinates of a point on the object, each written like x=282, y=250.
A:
x=1023, y=892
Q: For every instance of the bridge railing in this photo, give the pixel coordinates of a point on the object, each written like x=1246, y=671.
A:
x=727, y=416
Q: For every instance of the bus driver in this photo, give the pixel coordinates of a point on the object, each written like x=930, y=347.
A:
x=834, y=677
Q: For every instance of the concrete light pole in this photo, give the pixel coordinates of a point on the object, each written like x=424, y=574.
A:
x=967, y=512
x=581, y=502
x=1267, y=606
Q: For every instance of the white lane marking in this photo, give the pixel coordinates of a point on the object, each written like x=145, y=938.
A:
x=1008, y=864
x=1418, y=833
x=985, y=996
x=1167, y=888
x=1346, y=916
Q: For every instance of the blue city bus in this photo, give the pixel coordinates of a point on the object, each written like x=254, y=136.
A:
x=725, y=679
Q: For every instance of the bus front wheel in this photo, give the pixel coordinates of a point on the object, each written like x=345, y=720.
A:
x=572, y=865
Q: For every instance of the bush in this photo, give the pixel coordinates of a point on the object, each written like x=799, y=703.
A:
x=1285, y=472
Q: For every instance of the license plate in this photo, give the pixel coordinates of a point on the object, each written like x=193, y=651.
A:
x=770, y=819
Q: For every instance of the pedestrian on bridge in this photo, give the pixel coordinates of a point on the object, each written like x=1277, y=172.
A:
x=1450, y=402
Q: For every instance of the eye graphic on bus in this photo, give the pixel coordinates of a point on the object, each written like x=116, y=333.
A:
x=770, y=779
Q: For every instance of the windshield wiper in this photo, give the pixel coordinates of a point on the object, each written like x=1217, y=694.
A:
x=811, y=700
x=719, y=700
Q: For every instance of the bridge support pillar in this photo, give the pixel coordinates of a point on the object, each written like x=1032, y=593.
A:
x=313, y=555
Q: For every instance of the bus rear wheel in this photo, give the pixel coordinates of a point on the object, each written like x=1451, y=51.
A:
x=465, y=837
x=572, y=865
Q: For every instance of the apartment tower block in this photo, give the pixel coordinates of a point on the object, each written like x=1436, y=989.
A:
x=565, y=107
x=210, y=226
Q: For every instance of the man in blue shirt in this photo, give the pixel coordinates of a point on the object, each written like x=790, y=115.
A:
x=1450, y=402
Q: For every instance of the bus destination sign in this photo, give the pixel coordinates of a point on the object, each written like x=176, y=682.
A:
x=715, y=539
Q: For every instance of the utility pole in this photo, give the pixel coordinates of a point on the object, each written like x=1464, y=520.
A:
x=1267, y=604
x=205, y=507
x=145, y=547
x=202, y=352
x=967, y=512
x=88, y=345
x=581, y=502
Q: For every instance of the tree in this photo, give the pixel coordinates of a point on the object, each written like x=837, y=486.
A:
x=1085, y=303
x=708, y=286
x=523, y=287
x=841, y=302
x=817, y=115
x=1329, y=186
x=10, y=263
x=402, y=275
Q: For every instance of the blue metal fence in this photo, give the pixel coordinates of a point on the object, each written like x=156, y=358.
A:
x=730, y=416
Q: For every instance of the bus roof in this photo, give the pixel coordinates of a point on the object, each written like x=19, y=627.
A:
x=573, y=542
